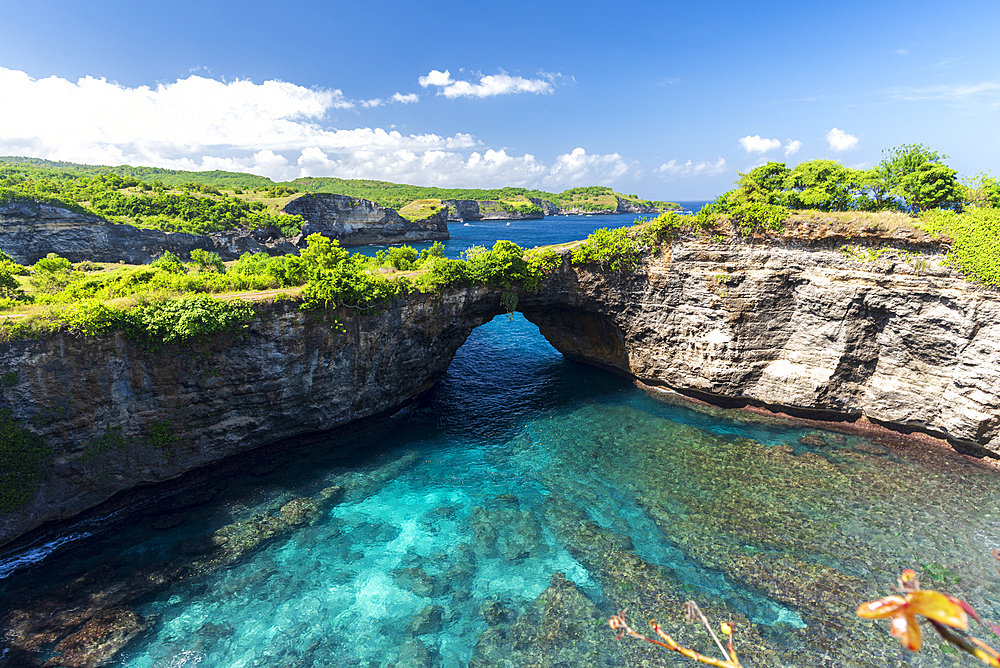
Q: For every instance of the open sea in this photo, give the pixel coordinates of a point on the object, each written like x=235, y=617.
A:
x=505, y=516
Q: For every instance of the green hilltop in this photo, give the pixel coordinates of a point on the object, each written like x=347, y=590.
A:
x=75, y=185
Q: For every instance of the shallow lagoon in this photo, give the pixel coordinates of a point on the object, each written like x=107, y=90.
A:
x=501, y=520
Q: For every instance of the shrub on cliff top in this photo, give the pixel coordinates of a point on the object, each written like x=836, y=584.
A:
x=612, y=249
x=181, y=319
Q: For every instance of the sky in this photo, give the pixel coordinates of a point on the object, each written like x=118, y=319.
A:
x=665, y=100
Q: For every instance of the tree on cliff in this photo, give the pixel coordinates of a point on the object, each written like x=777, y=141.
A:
x=917, y=174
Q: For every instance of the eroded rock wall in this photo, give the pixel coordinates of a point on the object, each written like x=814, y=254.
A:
x=184, y=406
x=901, y=340
x=31, y=230
x=357, y=222
x=471, y=209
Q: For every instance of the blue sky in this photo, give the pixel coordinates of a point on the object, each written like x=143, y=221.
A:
x=665, y=100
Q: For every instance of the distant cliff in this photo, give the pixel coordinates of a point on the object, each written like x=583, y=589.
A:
x=472, y=209
x=622, y=205
x=31, y=230
x=357, y=222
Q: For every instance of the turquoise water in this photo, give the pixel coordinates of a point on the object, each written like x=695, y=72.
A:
x=453, y=517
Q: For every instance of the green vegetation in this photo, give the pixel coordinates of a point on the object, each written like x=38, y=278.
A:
x=976, y=249
x=204, y=202
x=614, y=249
x=910, y=178
x=621, y=249
x=169, y=177
x=196, y=208
x=163, y=436
x=420, y=209
x=112, y=440
x=22, y=463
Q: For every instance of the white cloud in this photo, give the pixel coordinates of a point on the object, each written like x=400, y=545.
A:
x=792, y=147
x=406, y=99
x=397, y=97
x=755, y=144
x=902, y=52
x=488, y=86
x=840, y=140
x=276, y=129
x=577, y=167
x=673, y=169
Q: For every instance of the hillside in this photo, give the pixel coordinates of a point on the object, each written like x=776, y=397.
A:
x=201, y=202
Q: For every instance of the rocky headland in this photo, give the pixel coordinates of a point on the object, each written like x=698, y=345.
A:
x=471, y=209
x=790, y=323
x=358, y=222
x=31, y=230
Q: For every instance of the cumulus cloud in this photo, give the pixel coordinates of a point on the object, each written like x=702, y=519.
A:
x=579, y=167
x=673, y=169
x=792, y=147
x=840, y=140
x=276, y=129
x=489, y=85
x=756, y=144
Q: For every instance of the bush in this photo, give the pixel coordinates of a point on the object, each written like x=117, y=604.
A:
x=207, y=261
x=612, y=249
x=665, y=227
x=188, y=317
x=442, y=272
x=976, y=251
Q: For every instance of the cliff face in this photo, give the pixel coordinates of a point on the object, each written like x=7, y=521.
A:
x=184, y=406
x=471, y=209
x=795, y=323
x=356, y=222
x=623, y=206
x=31, y=230
x=902, y=341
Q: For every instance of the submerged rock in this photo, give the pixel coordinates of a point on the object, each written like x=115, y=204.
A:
x=100, y=639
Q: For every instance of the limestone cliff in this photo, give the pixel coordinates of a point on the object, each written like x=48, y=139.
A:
x=184, y=406
x=472, y=209
x=31, y=230
x=791, y=323
x=795, y=323
x=622, y=206
x=357, y=222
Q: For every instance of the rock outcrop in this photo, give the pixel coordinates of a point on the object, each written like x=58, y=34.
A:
x=622, y=206
x=31, y=230
x=471, y=209
x=357, y=222
x=790, y=324
x=901, y=341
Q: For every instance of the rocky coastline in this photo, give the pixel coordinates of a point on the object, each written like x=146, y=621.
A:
x=791, y=324
x=31, y=230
